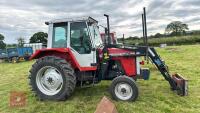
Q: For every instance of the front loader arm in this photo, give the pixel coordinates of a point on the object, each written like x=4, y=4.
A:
x=155, y=58
x=176, y=82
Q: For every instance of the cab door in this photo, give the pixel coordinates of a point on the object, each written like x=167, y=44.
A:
x=80, y=44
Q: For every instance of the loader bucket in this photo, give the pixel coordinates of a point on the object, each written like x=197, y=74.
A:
x=181, y=84
x=106, y=106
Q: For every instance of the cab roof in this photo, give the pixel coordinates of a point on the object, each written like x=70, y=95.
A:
x=78, y=19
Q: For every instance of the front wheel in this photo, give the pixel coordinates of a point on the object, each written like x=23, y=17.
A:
x=52, y=78
x=124, y=88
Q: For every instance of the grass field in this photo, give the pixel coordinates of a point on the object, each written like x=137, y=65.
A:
x=154, y=97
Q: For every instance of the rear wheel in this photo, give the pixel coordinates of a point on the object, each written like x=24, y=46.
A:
x=52, y=78
x=124, y=88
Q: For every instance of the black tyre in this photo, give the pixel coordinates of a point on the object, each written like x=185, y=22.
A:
x=26, y=58
x=124, y=88
x=52, y=78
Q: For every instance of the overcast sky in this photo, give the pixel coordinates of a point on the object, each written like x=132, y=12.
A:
x=25, y=17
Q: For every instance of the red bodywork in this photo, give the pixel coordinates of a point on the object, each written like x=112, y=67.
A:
x=127, y=63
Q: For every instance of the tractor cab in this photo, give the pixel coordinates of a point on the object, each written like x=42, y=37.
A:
x=81, y=35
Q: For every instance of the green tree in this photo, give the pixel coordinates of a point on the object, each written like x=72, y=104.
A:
x=2, y=44
x=39, y=37
x=176, y=28
x=158, y=35
x=11, y=45
x=1, y=37
x=20, y=41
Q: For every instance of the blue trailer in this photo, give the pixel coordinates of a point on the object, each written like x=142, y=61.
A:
x=16, y=54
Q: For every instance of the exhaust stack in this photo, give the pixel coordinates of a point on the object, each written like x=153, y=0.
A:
x=108, y=29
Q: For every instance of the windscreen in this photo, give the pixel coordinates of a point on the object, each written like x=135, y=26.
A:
x=94, y=30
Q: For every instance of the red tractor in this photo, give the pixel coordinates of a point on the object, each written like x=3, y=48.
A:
x=76, y=56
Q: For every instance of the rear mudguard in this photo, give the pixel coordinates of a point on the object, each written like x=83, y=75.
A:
x=64, y=53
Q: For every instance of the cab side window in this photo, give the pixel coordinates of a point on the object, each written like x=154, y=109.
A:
x=59, y=35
